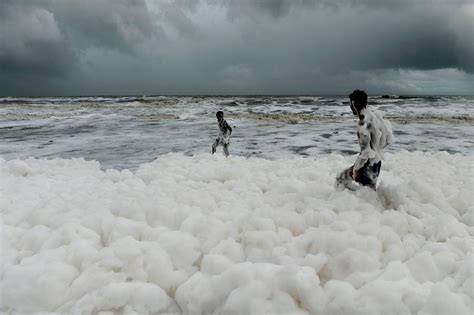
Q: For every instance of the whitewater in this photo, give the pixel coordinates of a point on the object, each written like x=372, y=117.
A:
x=89, y=224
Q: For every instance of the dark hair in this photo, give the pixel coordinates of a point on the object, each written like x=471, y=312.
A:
x=360, y=99
x=219, y=114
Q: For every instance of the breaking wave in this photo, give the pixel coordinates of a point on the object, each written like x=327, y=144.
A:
x=298, y=118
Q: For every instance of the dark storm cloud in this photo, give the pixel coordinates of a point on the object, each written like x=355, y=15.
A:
x=279, y=8
x=177, y=14
x=424, y=43
x=113, y=24
x=230, y=46
x=421, y=34
x=275, y=8
x=46, y=36
x=31, y=41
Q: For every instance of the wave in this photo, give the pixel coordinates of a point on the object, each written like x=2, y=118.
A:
x=408, y=97
x=287, y=118
x=298, y=118
x=24, y=116
x=206, y=234
x=428, y=119
x=291, y=118
x=153, y=117
x=85, y=101
x=20, y=116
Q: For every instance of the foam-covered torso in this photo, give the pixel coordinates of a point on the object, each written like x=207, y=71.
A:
x=374, y=133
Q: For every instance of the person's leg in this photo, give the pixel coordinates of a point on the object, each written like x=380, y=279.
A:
x=225, y=144
x=345, y=177
x=226, y=149
x=367, y=182
x=374, y=173
x=214, y=145
x=368, y=175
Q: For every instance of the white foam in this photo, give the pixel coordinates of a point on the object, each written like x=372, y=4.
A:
x=207, y=234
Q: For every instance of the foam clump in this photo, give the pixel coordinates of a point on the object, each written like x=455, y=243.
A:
x=207, y=234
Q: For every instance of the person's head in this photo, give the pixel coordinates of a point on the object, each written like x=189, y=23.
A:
x=358, y=101
x=220, y=115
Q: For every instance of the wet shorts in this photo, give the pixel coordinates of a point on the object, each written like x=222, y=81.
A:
x=368, y=174
x=223, y=139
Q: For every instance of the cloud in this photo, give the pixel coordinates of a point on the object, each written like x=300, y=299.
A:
x=280, y=8
x=254, y=9
x=175, y=14
x=31, y=41
x=227, y=46
x=370, y=34
x=47, y=36
x=237, y=79
x=111, y=24
x=401, y=81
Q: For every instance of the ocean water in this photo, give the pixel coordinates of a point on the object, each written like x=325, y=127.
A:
x=124, y=132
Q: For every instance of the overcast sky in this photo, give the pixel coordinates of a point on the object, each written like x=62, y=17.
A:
x=123, y=47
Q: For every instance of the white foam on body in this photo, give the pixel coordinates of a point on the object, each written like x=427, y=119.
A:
x=207, y=234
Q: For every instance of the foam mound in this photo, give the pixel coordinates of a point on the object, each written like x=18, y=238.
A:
x=208, y=234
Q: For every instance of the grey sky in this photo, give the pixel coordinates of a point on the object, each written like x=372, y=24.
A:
x=85, y=47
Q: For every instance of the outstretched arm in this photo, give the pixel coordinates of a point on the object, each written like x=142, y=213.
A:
x=228, y=127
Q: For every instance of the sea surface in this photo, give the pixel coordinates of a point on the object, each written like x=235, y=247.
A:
x=124, y=132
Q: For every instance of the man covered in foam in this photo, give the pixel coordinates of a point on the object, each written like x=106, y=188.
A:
x=225, y=131
x=374, y=134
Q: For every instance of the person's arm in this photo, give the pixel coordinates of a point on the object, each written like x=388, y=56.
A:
x=228, y=128
x=386, y=129
x=366, y=152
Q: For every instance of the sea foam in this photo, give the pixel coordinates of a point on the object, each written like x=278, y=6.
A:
x=208, y=234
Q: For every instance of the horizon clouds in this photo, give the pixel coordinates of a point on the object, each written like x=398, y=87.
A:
x=49, y=47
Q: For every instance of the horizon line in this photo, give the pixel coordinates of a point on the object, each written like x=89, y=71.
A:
x=228, y=95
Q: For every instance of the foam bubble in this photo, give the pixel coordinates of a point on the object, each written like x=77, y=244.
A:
x=207, y=234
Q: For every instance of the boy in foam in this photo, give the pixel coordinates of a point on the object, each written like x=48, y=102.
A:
x=224, y=134
x=374, y=133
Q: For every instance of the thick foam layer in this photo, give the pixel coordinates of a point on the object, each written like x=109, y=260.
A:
x=209, y=234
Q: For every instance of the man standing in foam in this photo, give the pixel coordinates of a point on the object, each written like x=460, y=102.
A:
x=224, y=134
x=374, y=133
